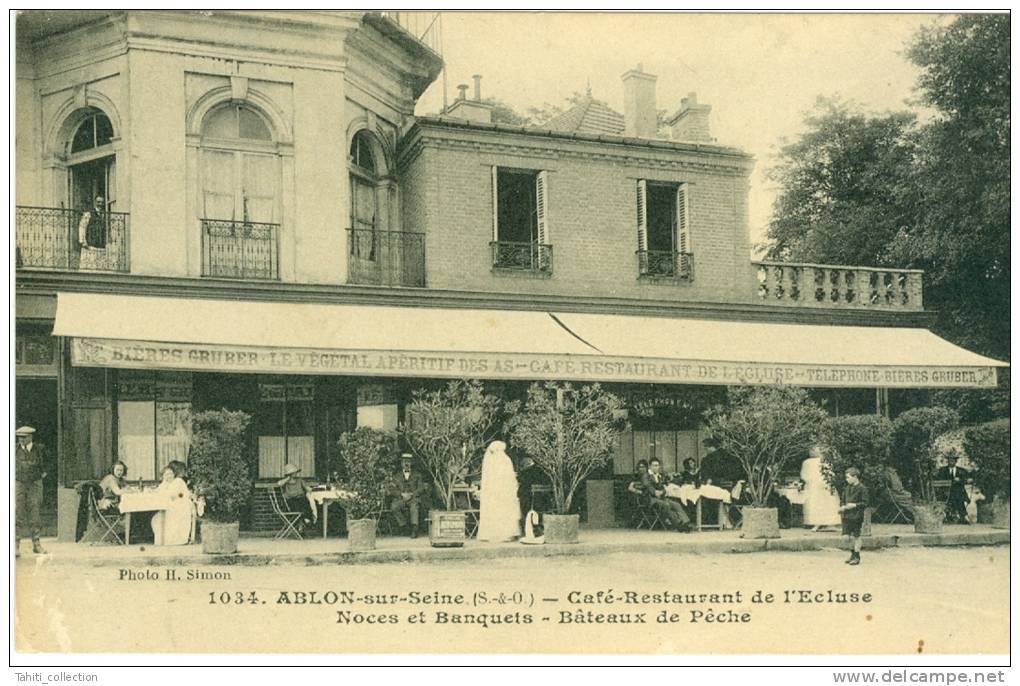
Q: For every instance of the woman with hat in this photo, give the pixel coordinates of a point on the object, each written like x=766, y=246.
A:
x=295, y=493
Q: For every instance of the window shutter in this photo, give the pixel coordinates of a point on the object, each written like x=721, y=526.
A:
x=495, y=203
x=683, y=223
x=258, y=187
x=542, y=214
x=642, y=215
x=218, y=185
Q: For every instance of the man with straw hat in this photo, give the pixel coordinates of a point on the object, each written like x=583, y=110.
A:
x=296, y=493
x=29, y=471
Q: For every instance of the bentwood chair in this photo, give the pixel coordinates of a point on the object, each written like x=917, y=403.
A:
x=288, y=517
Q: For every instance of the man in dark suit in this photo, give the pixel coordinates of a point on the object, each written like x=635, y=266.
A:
x=654, y=485
x=956, y=506
x=408, y=492
x=29, y=471
x=531, y=475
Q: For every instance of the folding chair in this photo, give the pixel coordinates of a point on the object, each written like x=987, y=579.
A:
x=892, y=511
x=462, y=501
x=288, y=517
x=646, y=514
x=103, y=526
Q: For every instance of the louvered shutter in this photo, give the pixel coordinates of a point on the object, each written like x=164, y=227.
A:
x=218, y=185
x=542, y=214
x=642, y=224
x=683, y=223
x=495, y=203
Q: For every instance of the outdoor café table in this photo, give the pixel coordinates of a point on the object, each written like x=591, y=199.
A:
x=141, y=501
x=687, y=493
x=326, y=497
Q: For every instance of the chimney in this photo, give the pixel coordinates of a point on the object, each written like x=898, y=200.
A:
x=472, y=110
x=639, y=119
x=691, y=122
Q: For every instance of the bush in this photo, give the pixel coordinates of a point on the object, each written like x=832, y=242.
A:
x=913, y=452
x=765, y=428
x=568, y=432
x=370, y=459
x=217, y=464
x=860, y=441
x=987, y=448
x=449, y=429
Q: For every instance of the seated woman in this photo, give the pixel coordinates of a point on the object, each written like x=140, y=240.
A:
x=172, y=526
x=113, y=486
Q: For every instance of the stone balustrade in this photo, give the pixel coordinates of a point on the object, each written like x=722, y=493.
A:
x=834, y=286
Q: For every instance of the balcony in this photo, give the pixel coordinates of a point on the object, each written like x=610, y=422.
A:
x=833, y=286
x=522, y=256
x=240, y=250
x=665, y=264
x=386, y=258
x=71, y=240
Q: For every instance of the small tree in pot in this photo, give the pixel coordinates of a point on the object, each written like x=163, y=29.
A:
x=448, y=430
x=369, y=457
x=914, y=454
x=765, y=428
x=568, y=433
x=860, y=441
x=220, y=473
x=987, y=448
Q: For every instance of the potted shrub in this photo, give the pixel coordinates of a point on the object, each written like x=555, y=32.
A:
x=987, y=448
x=860, y=441
x=369, y=458
x=220, y=473
x=448, y=429
x=764, y=428
x=914, y=454
x=568, y=433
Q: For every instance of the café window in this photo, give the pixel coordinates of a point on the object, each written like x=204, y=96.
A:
x=378, y=407
x=284, y=422
x=153, y=421
x=34, y=347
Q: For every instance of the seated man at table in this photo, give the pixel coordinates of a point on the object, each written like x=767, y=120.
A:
x=295, y=492
x=654, y=486
x=407, y=492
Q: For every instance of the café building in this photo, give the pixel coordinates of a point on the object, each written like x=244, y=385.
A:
x=280, y=232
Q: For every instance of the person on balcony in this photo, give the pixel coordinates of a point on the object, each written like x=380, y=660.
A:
x=94, y=225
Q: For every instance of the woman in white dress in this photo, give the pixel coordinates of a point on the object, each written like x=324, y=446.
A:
x=499, y=512
x=172, y=526
x=821, y=503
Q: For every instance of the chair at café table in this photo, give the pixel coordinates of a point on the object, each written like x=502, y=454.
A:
x=646, y=515
x=103, y=525
x=288, y=517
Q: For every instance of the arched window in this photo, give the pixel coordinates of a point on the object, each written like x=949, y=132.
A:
x=240, y=166
x=91, y=162
x=365, y=191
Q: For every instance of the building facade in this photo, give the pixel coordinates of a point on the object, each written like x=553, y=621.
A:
x=241, y=209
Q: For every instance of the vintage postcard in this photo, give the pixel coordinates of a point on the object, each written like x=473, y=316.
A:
x=532, y=333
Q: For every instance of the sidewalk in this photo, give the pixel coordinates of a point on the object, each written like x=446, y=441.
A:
x=333, y=551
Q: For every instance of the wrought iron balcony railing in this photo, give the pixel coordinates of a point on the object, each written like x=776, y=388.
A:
x=820, y=285
x=240, y=249
x=386, y=258
x=523, y=256
x=666, y=264
x=72, y=240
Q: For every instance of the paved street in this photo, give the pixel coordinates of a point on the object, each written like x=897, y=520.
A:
x=380, y=607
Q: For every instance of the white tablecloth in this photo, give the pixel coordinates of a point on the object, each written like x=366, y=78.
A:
x=144, y=501
x=321, y=496
x=687, y=493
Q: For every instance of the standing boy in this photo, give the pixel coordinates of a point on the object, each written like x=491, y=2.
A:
x=855, y=499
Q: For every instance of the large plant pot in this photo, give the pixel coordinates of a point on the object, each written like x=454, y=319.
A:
x=928, y=519
x=759, y=522
x=1000, y=513
x=985, y=513
x=447, y=529
x=361, y=534
x=560, y=528
x=220, y=538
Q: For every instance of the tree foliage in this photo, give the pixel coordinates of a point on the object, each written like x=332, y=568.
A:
x=568, y=432
x=370, y=459
x=987, y=448
x=765, y=428
x=217, y=465
x=448, y=430
x=914, y=452
x=885, y=191
x=860, y=441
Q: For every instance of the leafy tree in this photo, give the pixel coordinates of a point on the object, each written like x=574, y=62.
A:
x=217, y=464
x=449, y=428
x=765, y=428
x=913, y=450
x=370, y=459
x=503, y=113
x=987, y=448
x=845, y=187
x=568, y=432
x=860, y=441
